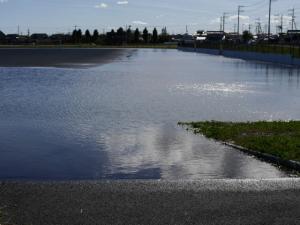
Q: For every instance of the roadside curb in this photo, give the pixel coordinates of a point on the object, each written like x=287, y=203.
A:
x=290, y=164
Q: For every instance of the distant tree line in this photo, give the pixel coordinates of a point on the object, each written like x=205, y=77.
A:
x=121, y=36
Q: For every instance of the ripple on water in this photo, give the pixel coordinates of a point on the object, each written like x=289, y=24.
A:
x=119, y=120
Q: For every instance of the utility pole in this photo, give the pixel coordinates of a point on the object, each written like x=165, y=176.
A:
x=239, y=13
x=292, y=14
x=269, y=27
x=224, y=20
x=281, y=24
x=221, y=25
x=126, y=32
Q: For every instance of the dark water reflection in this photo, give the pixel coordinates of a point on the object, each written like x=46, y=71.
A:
x=118, y=121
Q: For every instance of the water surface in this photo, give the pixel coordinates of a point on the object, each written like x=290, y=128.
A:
x=119, y=120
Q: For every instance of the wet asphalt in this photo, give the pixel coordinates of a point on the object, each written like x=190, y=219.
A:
x=204, y=202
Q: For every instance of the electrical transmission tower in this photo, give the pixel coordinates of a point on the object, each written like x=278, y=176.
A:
x=280, y=26
x=258, y=26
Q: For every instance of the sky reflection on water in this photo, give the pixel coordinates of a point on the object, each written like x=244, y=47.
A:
x=119, y=120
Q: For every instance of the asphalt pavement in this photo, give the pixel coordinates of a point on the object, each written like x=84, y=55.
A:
x=204, y=202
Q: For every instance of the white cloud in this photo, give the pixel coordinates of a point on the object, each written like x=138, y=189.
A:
x=215, y=21
x=122, y=2
x=101, y=5
x=137, y=22
x=3, y=1
x=276, y=19
x=235, y=17
x=230, y=18
x=159, y=16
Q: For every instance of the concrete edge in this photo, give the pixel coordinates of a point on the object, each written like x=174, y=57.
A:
x=273, y=58
x=289, y=164
x=146, y=186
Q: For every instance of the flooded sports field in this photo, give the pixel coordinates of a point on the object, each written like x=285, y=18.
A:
x=118, y=119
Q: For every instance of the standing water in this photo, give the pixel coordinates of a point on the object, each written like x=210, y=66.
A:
x=119, y=120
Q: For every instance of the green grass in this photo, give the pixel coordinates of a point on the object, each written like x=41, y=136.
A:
x=281, y=139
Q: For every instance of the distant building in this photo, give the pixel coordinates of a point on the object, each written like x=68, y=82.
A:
x=293, y=36
x=60, y=38
x=187, y=39
x=11, y=38
x=233, y=37
x=176, y=37
x=215, y=36
x=200, y=36
x=39, y=36
x=57, y=37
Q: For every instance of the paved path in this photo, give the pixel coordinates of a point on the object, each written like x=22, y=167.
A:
x=204, y=202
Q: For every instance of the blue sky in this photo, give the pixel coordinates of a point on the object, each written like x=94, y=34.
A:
x=55, y=16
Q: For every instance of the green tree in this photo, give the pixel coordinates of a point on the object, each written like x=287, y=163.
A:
x=129, y=35
x=145, y=35
x=247, y=36
x=120, y=35
x=87, y=36
x=136, y=35
x=154, y=36
x=79, y=36
x=164, y=36
x=110, y=37
x=74, y=36
x=95, y=35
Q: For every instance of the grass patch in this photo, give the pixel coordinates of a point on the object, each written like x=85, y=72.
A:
x=279, y=138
